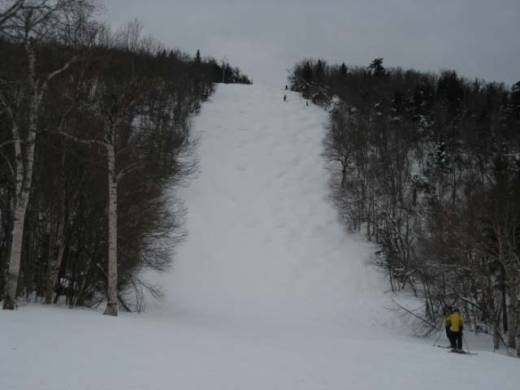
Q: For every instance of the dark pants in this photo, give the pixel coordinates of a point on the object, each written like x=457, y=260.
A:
x=455, y=339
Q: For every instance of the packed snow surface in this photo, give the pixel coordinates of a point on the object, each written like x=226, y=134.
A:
x=265, y=245
x=267, y=291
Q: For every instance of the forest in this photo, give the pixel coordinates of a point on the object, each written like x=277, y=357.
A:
x=427, y=166
x=94, y=125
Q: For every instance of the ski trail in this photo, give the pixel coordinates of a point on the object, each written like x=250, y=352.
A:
x=267, y=292
x=264, y=241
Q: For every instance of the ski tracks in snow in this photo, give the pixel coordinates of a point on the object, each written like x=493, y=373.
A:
x=264, y=241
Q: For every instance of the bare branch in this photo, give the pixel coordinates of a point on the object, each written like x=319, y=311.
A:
x=64, y=68
x=131, y=168
x=430, y=324
x=79, y=140
x=9, y=165
x=6, y=106
x=11, y=11
x=10, y=142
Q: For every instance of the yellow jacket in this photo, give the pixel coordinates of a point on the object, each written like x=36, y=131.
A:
x=455, y=322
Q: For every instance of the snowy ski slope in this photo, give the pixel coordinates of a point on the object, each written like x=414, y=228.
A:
x=267, y=291
x=264, y=241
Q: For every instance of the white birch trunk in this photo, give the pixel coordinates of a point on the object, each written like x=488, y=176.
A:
x=24, y=162
x=112, y=305
x=21, y=203
x=15, y=256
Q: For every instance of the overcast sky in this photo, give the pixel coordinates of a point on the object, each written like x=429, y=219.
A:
x=478, y=38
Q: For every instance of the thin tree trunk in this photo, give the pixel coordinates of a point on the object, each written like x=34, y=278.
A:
x=24, y=172
x=56, y=255
x=15, y=245
x=55, y=262
x=513, y=317
x=112, y=306
x=15, y=256
x=518, y=344
x=496, y=337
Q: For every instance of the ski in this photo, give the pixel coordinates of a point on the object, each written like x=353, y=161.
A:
x=452, y=351
x=463, y=352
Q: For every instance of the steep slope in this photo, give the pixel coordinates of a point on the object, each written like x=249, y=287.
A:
x=264, y=242
x=267, y=291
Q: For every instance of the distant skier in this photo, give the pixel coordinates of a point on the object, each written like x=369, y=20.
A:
x=284, y=98
x=454, y=328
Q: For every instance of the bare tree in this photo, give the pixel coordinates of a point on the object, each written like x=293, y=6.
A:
x=30, y=24
x=68, y=84
x=429, y=165
x=113, y=118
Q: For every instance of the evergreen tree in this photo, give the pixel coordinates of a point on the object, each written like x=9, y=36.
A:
x=343, y=69
x=320, y=70
x=377, y=68
x=307, y=72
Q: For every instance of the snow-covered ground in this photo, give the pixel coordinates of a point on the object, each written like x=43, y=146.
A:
x=267, y=291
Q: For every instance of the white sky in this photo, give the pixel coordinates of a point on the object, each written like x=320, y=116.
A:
x=478, y=38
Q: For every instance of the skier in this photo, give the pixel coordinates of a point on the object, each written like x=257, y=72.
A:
x=284, y=98
x=454, y=328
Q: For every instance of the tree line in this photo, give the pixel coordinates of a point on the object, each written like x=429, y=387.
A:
x=428, y=167
x=93, y=128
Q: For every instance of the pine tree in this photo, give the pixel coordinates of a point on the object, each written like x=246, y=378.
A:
x=343, y=69
x=320, y=70
x=377, y=68
x=307, y=72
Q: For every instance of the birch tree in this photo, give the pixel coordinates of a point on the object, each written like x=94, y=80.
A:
x=30, y=24
x=114, y=103
x=91, y=131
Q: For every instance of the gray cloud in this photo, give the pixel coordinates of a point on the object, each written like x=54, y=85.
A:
x=477, y=38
